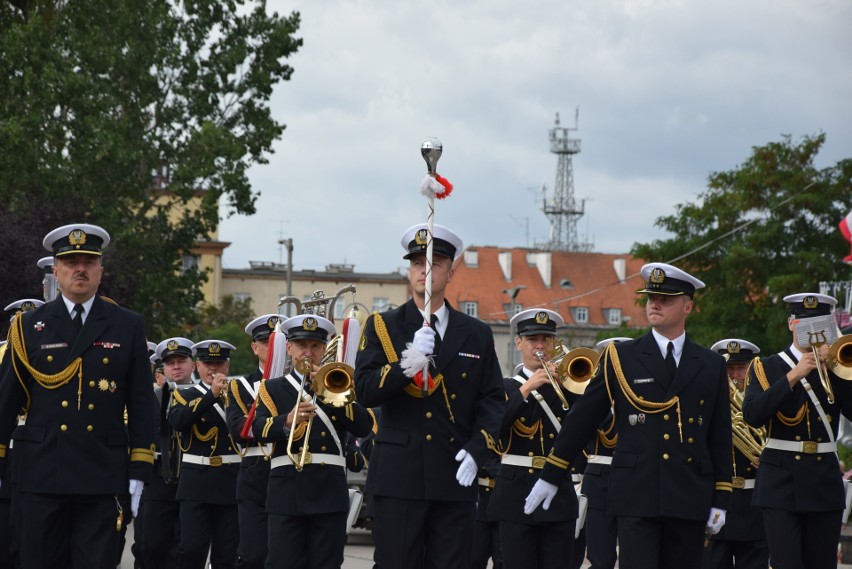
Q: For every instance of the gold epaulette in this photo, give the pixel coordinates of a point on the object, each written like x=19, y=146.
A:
x=177, y=397
x=266, y=399
x=759, y=372
x=234, y=387
x=142, y=455
x=375, y=422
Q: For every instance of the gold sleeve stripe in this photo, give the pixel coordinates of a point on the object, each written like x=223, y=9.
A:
x=558, y=462
x=266, y=427
x=350, y=414
x=384, y=337
x=142, y=455
x=724, y=487
x=266, y=399
x=2, y=451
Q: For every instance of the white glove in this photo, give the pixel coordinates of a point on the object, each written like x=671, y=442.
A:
x=542, y=494
x=715, y=521
x=424, y=340
x=135, y=491
x=467, y=468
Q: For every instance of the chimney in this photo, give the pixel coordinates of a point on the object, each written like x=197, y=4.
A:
x=620, y=267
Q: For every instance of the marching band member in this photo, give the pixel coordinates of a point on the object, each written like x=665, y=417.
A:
x=799, y=487
x=671, y=470
x=161, y=522
x=307, y=502
x=254, y=468
x=429, y=447
x=742, y=542
x=75, y=365
x=207, y=487
x=485, y=544
x=601, y=527
x=533, y=416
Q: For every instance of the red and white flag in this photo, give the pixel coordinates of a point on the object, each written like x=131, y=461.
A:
x=845, y=226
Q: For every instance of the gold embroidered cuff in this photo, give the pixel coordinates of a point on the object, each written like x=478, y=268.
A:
x=142, y=455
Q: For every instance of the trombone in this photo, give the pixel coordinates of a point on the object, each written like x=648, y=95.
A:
x=839, y=361
x=304, y=367
x=556, y=386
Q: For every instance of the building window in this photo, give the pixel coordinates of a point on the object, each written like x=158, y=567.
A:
x=580, y=314
x=470, y=308
x=380, y=304
x=471, y=258
x=614, y=316
x=188, y=262
x=242, y=297
x=507, y=308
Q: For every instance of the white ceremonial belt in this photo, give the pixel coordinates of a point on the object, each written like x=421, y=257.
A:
x=212, y=460
x=740, y=483
x=805, y=447
x=536, y=462
x=576, y=478
x=597, y=459
x=486, y=482
x=311, y=458
x=157, y=455
x=262, y=450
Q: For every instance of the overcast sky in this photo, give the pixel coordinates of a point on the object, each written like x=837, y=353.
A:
x=668, y=92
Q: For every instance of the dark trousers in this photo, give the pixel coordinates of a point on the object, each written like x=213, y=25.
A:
x=417, y=533
x=601, y=539
x=6, y=534
x=528, y=546
x=69, y=531
x=799, y=540
x=251, y=552
x=306, y=542
x=207, y=527
x=162, y=534
x=486, y=545
x=664, y=543
x=739, y=554
x=578, y=551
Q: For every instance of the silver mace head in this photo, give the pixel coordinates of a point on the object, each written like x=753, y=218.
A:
x=431, y=151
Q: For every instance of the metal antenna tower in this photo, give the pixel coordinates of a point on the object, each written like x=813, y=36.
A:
x=563, y=210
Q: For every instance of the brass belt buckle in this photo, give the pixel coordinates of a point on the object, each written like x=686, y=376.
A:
x=538, y=462
x=215, y=461
x=809, y=447
x=308, y=459
x=738, y=482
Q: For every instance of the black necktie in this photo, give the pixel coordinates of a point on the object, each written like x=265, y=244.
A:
x=670, y=362
x=78, y=317
x=437, y=334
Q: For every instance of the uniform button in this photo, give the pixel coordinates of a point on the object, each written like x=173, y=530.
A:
x=819, y=458
x=106, y=360
x=666, y=437
x=322, y=434
x=452, y=439
x=531, y=471
x=689, y=459
x=551, y=435
x=50, y=358
x=798, y=457
x=333, y=417
x=798, y=438
x=428, y=414
x=666, y=417
x=91, y=406
x=65, y=404
x=691, y=420
x=531, y=454
x=89, y=428
x=92, y=383
x=63, y=428
x=428, y=437
x=523, y=419
x=749, y=469
x=665, y=456
x=819, y=439
x=464, y=375
x=690, y=440
x=203, y=419
x=322, y=448
x=266, y=458
x=453, y=396
x=701, y=402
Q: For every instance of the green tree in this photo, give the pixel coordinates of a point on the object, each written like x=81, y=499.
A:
x=141, y=117
x=760, y=232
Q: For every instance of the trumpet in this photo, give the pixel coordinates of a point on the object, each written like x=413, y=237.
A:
x=556, y=386
x=304, y=366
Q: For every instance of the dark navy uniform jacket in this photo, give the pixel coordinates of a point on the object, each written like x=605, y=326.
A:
x=673, y=457
x=743, y=522
x=200, y=419
x=318, y=488
x=254, y=470
x=528, y=431
x=418, y=438
x=596, y=478
x=75, y=440
x=795, y=481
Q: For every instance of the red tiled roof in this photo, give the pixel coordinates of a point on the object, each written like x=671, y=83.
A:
x=592, y=276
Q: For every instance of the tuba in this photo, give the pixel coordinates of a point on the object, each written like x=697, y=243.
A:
x=747, y=439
